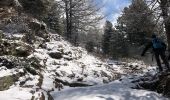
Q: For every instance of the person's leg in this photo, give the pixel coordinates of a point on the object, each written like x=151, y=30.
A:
x=158, y=61
x=165, y=61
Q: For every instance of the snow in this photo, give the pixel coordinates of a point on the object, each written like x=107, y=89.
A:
x=6, y=72
x=81, y=65
x=16, y=93
x=111, y=80
x=33, y=81
x=112, y=91
x=47, y=83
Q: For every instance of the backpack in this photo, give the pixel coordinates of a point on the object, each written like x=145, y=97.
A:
x=158, y=44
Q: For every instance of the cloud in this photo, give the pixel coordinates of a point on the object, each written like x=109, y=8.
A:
x=113, y=8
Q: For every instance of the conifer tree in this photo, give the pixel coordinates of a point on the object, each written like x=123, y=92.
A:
x=137, y=22
x=108, y=31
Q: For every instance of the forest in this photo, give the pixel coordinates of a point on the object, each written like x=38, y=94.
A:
x=84, y=49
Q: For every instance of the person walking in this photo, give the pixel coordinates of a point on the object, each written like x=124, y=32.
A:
x=159, y=48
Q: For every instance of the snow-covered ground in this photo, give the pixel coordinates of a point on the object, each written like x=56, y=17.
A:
x=112, y=91
x=111, y=80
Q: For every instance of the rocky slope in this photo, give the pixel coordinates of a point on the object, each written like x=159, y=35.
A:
x=36, y=70
x=34, y=63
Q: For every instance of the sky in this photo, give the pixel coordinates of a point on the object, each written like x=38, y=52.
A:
x=113, y=8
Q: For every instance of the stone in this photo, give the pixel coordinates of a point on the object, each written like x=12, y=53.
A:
x=6, y=82
x=22, y=51
x=6, y=63
x=56, y=55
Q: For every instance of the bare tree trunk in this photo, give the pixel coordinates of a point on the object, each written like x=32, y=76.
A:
x=70, y=20
x=67, y=18
x=164, y=8
x=68, y=11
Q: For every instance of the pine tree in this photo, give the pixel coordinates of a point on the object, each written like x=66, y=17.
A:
x=137, y=22
x=53, y=18
x=80, y=16
x=37, y=8
x=108, y=31
x=118, y=44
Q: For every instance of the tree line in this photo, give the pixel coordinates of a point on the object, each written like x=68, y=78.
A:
x=77, y=21
x=134, y=27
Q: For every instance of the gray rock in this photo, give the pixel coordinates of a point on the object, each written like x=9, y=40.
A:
x=56, y=55
x=7, y=81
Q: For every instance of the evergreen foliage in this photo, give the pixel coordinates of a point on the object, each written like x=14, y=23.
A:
x=37, y=8
x=90, y=46
x=108, y=31
x=137, y=21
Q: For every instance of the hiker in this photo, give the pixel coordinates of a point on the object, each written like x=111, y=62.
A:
x=159, y=48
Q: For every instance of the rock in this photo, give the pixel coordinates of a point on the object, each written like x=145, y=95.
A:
x=40, y=80
x=42, y=97
x=36, y=25
x=39, y=28
x=22, y=51
x=61, y=81
x=160, y=83
x=105, y=81
x=43, y=45
x=57, y=74
x=71, y=76
x=104, y=74
x=74, y=84
x=28, y=38
x=80, y=79
x=31, y=70
x=6, y=82
x=19, y=49
x=6, y=63
x=68, y=58
x=58, y=85
x=56, y=55
x=33, y=62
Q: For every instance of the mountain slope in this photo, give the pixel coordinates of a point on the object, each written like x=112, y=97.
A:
x=57, y=70
x=38, y=65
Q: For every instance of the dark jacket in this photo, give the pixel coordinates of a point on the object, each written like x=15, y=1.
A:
x=150, y=45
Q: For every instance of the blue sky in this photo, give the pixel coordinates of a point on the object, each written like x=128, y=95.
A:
x=113, y=8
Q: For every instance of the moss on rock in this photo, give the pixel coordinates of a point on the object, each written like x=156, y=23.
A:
x=6, y=82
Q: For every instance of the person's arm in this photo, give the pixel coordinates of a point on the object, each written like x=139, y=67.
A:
x=164, y=46
x=149, y=45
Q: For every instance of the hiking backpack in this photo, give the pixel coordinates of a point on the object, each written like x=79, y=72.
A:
x=157, y=43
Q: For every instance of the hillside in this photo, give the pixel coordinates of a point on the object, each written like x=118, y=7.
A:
x=37, y=64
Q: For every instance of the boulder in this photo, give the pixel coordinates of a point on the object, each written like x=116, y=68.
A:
x=6, y=63
x=160, y=83
x=39, y=29
x=6, y=82
x=36, y=25
x=73, y=84
x=56, y=55
x=19, y=49
x=22, y=51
